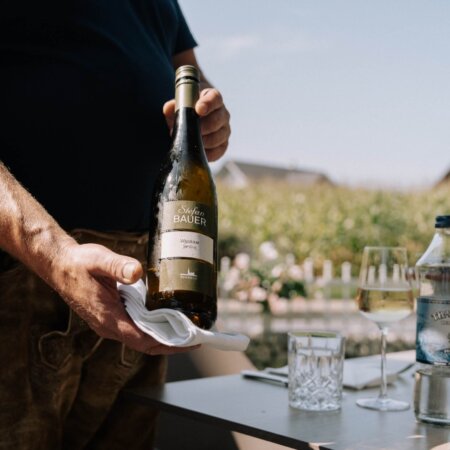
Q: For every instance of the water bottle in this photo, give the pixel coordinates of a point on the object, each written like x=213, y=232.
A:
x=432, y=378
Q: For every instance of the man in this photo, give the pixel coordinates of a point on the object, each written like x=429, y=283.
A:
x=83, y=81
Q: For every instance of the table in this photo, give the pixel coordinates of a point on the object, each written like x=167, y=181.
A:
x=261, y=410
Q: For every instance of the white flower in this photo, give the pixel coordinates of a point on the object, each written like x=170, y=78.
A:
x=276, y=286
x=295, y=272
x=231, y=279
x=242, y=261
x=258, y=294
x=224, y=264
x=277, y=271
x=290, y=259
x=268, y=251
x=242, y=296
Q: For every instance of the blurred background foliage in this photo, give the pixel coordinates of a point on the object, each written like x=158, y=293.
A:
x=326, y=222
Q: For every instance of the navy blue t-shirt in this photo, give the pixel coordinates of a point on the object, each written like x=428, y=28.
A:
x=82, y=86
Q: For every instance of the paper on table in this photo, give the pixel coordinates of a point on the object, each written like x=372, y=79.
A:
x=172, y=327
x=365, y=372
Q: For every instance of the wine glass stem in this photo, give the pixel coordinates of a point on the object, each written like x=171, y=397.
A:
x=383, y=385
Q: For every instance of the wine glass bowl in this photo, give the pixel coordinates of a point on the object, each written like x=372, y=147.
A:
x=384, y=296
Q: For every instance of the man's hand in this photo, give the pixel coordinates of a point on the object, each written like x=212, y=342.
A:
x=214, y=121
x=86, y=276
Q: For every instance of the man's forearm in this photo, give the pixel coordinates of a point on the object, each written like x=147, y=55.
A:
x=27, y=231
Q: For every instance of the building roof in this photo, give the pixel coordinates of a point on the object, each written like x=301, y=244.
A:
x=238, y=173
x=444, y=181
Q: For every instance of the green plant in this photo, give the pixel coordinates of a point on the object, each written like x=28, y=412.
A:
x=327, y=222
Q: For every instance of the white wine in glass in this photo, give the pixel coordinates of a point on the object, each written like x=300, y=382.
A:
x=384, y=296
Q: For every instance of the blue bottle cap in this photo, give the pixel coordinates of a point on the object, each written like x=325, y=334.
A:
x=442, y=222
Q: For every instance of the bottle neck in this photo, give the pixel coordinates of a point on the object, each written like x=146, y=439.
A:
x=186, y=94
x=438, y=251
x=187, y=139
x=443, y=235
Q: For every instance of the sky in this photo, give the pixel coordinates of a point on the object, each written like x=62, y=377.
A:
x=358, y=90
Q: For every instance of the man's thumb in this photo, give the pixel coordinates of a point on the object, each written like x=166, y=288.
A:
x=105, y=262
x=131, y=272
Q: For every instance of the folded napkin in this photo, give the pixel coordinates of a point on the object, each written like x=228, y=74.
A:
x=172, y=327
x=365, y=372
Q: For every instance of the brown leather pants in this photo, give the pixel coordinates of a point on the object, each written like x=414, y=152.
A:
x=60, y=382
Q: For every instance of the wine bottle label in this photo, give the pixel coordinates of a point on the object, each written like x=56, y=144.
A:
x=187, y=253
x=187, y=244
x=433, y=331
x=188, y=215
x=186, y=275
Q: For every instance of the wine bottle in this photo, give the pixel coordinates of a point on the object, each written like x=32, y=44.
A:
x=182, y=258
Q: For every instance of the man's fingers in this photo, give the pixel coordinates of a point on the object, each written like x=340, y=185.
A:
x=210, y=100
x=165, y=350
x=136, y=339
x=215, y=139
x=133, y=337
x=213, y=154
x=214, y=121
x=169, y=113
x=104, y=262
x=120, y=268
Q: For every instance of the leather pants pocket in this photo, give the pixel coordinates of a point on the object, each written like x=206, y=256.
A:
x=55, y=349
x=128, y=357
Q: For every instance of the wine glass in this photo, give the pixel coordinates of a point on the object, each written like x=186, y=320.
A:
x=384, y=296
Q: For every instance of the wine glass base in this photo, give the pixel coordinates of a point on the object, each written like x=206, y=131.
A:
x=383, y=404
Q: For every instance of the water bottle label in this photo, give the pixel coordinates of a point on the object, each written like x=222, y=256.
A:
x=433, y=331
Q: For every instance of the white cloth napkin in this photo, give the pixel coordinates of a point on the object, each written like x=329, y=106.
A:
x=172, y=327
x=365, y=372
